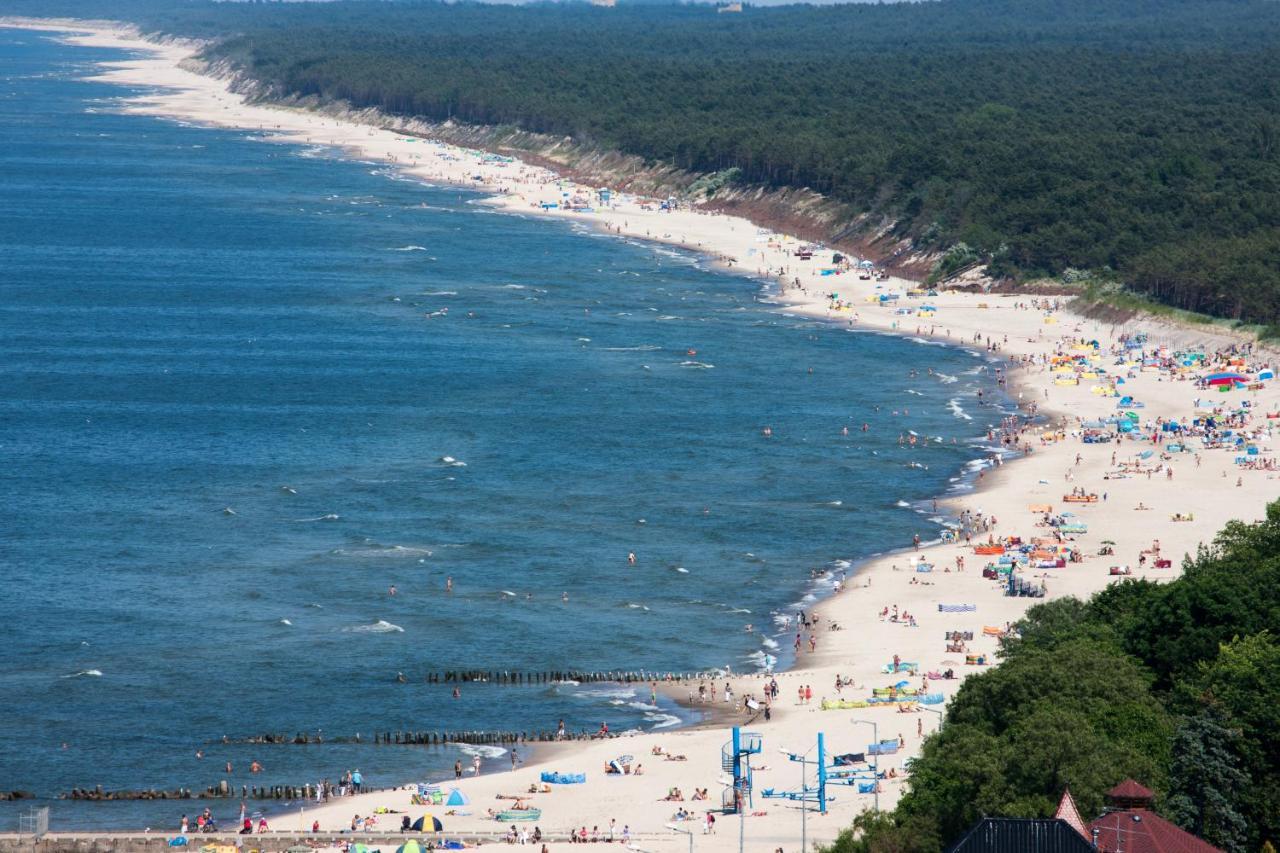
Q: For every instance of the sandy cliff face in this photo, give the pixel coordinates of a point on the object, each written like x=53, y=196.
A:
x=800, y=211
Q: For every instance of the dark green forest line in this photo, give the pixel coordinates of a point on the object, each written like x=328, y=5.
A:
x=1176, y=684
x=1134, y=139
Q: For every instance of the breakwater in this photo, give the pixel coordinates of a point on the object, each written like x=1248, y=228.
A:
x=416, y=738
x=572, y=677
x=222, y=791
x=269, y=842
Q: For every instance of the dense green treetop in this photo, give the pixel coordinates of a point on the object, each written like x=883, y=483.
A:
x=1135, y=138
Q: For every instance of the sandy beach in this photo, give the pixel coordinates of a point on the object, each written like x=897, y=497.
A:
x=889, y=608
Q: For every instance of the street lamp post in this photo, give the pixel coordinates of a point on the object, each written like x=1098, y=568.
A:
x=688, y=832
x=804, y=808
x=942, y=717
x=875, y=736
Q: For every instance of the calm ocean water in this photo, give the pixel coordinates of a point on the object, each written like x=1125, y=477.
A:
x=194, y=321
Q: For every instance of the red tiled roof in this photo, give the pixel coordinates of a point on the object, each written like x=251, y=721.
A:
x=1131, y=790
x=1142, y=831
x=1069, y=814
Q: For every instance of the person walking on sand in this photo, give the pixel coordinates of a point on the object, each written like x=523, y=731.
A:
x=457, y=769
x=808, y=694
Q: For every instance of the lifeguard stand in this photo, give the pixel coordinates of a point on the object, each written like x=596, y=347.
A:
x=735, y=761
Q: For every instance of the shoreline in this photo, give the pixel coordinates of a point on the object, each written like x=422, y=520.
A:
x=871, y=642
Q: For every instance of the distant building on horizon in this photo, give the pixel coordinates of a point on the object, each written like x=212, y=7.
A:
x=605, y=3
x=1127, y=826
x=729, y=7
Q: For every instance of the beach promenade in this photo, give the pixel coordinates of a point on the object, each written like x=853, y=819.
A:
x=1060, y=367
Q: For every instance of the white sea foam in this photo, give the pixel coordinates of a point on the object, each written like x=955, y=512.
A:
x=382, y=551
x=380, y=627
x=640, y=348
x=482, y=750
x=439, y=293
x=285, y=622
x=902, y=504
x=331, y=516
x=409, y=249
x=953, y=406
x=634, y=606
x=682, y=570
x=701, y=365
x=607, y=693
x=945, y=379
x=451, y=462
x=85, y=673
x=662, y=721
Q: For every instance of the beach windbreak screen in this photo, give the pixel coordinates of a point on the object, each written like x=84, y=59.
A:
x=250, y=388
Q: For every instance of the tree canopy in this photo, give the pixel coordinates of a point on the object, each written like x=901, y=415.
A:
x=1135, y=138
x=1175, y=684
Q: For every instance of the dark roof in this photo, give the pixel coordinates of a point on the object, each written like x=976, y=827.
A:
x=1131, y=790
x=1143, y=831
x=1018, y=835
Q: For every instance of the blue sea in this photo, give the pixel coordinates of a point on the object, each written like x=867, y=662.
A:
x=234, y=412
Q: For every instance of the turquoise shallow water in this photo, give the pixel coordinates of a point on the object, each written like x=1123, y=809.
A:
x=194, y=320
